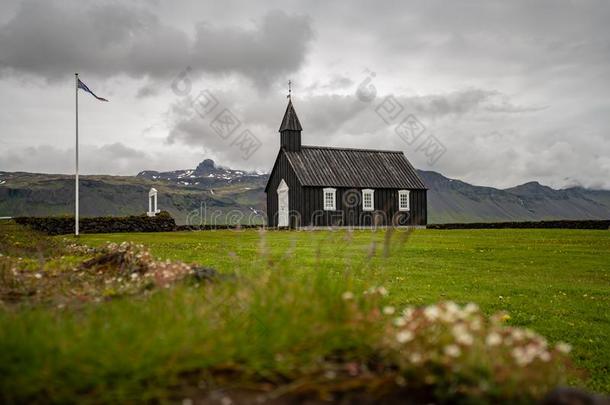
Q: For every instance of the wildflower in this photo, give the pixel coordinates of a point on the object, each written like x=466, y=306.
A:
x=400, y=322
x=563, y=347
x=348, y=295
x=518, y=352
x=408, y=312
x=400, y=381
x=38, y=275
x=452, y=307
x=505, y=317
x=461, y=335
x=493, y=339
x=415, y=358
x=451, y=312
x=452, y=350
x=544, y=356
x=471, y=308
x=389, y=310
x=382, y=291
x=431, y=312
x=517, y=334
x=404, y=336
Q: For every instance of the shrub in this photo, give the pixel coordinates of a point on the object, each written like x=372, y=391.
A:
x=463, y=354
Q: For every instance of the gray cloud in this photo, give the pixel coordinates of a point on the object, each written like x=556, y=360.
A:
x=331, y=119
x=115, y=158
x=148, y=90
x=276, y=46
x=336, y=82
x=52, y=40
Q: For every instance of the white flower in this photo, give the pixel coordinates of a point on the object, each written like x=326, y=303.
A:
x=493, y=339
x=465, y=339
x=382, y=291
x=408, y=312
x=517, y=334
x=471, y=308
x=404, y=336
x=462, y=336
x=452, y=350
x=415, y=358
x=389, y=310
x=431, y=312
x=38, y=275
x=452, y=307
x=400, y=322
x=348, y=295
x=521, y=356
x=563, y=347
x=545, y=356
x=531, y=351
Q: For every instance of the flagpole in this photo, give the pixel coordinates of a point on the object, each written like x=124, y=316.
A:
x=76, y=177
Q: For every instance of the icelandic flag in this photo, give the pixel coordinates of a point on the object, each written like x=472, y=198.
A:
x=83, y=86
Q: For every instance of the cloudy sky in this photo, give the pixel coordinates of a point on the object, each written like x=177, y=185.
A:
x=501, y=92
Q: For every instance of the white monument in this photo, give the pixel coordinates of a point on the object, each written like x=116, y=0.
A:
x=152, y=203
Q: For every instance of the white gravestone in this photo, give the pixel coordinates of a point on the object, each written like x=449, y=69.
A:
x=152, y=203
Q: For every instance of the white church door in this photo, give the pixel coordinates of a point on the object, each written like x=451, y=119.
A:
x=282, y=204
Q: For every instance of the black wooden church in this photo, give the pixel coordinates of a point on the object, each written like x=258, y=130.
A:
x=324, y=186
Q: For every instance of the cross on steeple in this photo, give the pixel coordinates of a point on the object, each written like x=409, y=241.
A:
x=289, y=88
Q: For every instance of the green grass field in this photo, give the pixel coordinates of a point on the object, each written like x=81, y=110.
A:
x=555, y=282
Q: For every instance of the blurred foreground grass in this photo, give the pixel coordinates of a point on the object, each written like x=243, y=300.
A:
x=284, y=312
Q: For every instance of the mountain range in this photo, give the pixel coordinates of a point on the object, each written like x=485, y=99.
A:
x=216, y=194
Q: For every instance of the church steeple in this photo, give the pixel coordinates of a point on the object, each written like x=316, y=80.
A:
x=290, y=121
x=290, y=129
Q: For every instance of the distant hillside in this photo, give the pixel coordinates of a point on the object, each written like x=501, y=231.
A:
x=456, y=201
x=221, y=194
x=205, y=191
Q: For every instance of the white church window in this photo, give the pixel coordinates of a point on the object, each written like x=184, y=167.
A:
x=329, y=199
x=403, y=200
x=368, y=203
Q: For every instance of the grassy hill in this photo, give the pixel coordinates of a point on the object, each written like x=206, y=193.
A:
x=228, y=195
x=33, y=194
x=451, y=200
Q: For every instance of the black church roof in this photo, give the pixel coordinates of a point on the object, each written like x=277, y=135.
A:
x=359, y=168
